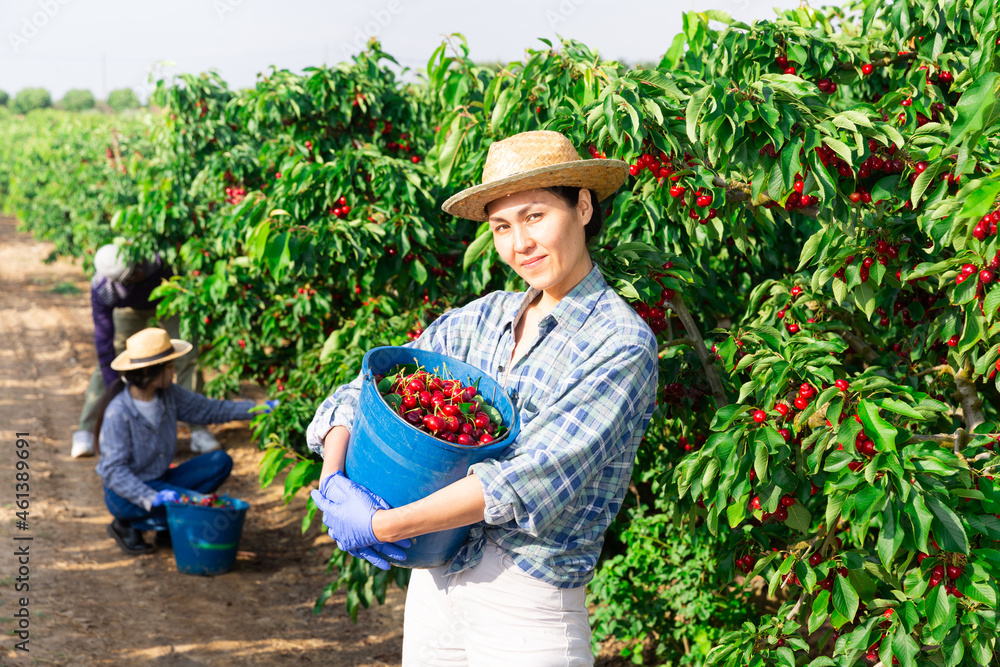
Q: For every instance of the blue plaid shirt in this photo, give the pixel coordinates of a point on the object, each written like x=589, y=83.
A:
x=135, y=451
x=585, y=391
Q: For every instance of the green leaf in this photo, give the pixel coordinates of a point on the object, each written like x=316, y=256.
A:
x=905, y=648
x=974, y=106
x=937, y=605
x=889, y=537
x=948, y=529
x=799, y=518
x=881, y=431
x=418, y=271
x=500, y=110
x=694, y=107
x=761, y=460
x=845, y=598
x=478, y=246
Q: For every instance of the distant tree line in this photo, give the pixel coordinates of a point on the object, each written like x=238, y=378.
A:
x=78, y=99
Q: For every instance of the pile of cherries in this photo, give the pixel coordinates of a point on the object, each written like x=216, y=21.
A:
x=443, y=408
x=212, y=500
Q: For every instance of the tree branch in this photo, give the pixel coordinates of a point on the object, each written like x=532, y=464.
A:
x=740, y=192
x=718, y=392
x=859, y=346
x=675, y=342
x=972, y=405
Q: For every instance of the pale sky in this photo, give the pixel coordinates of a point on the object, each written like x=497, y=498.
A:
x=106, y=44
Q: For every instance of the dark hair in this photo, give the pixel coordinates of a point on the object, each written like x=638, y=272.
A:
x=571, y=195
x=140, y=377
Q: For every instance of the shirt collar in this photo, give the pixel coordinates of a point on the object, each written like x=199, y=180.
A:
x=572, y=311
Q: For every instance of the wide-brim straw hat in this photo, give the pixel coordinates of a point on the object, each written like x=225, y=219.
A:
x=149, y=347
x=530, y=160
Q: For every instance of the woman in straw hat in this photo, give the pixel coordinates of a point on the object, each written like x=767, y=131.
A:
x=581, y=367
x=138, y=437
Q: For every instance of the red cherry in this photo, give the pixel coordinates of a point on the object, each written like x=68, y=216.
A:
x=787, y=500
x=676, y=191
x=781, y=514
x=799, y=186
x=953, y=341
x=793, y=328
x=781, y=61
x=464, y=439
x=755, y=502
x=986, y=276
x=867, y=69
x=782, y=408
x=433, y=423
x=759, y=416
x=791, y=70
x=815, y=559
x=842, y=385
x=806, y=390
x=954, y=571
x=481, y=420
x=801, y=402
x=486, y=438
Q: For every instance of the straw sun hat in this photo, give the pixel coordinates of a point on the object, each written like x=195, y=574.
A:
x=530, y=160
x=148, y=347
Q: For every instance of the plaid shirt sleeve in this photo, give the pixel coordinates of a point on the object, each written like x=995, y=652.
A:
x=197, y=409
x=589, y=427
x=443, y=335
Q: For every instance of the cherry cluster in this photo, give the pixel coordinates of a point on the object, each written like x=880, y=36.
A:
x=987, y=226
x=235, y=195
x=341, y=209
x=445, y=409
x=655, y=315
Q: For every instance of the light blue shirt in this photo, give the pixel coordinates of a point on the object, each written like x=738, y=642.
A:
x=585, y=390
x=134, y=450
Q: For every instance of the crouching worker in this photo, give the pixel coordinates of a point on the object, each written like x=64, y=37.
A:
x=137, y=433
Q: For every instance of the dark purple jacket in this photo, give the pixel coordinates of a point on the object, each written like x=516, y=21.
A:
x=105, y=296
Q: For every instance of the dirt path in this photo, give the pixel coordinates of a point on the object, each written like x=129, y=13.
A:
x=89, y=603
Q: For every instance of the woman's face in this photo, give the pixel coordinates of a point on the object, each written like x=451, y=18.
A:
x=542, y=238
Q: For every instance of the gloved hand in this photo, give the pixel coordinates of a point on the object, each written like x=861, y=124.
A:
x=165, y=496
x=269, y=406
x=347, y=511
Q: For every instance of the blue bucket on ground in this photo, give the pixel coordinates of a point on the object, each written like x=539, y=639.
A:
x=205, y=539
x=403, y=464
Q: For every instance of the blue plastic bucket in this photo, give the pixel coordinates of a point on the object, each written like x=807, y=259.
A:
x=403, y=464
x=205, y=539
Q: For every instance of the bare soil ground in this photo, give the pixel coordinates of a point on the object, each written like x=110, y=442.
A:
x=92, y=605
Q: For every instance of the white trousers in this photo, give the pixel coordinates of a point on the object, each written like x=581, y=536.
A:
x=493, y=614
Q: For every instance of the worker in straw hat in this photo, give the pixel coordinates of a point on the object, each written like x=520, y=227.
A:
x=121, y=305
x=581, y=367
x=137, y=422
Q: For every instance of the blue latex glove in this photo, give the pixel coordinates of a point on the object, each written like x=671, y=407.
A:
x=347, y=512
x=269, y=406
x=165, y=496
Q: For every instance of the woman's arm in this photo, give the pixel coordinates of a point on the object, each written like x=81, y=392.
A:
x=335, y=451
x=459, y=504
